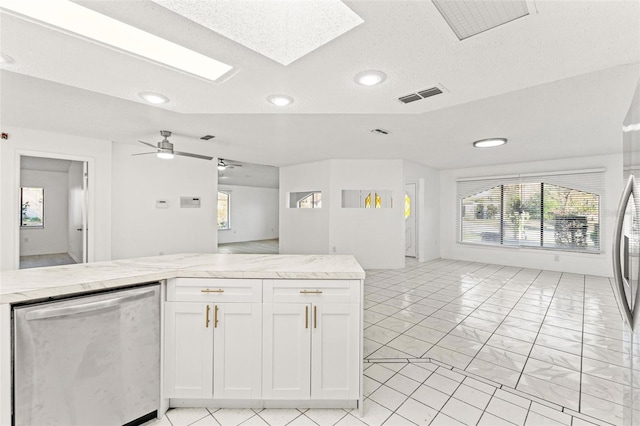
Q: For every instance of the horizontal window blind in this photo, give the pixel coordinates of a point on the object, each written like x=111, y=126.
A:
x=558, y=210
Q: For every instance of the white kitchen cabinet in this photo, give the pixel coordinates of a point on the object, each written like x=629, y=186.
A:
x=213, y=350
x=335, y=348
x=237, y=350
x=188, y=350
x=287, y=351
x=311, y=335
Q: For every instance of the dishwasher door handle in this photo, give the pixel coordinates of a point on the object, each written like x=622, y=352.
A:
x=86, y=307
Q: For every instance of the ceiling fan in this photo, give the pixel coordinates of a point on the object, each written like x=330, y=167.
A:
x=226, y=164
x=164, y=149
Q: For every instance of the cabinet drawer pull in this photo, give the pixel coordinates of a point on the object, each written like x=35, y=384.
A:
x=206, y=323
x=207, y=290
x=215, y=317
x=315, y=321
x=306, y=317
x=310, y=291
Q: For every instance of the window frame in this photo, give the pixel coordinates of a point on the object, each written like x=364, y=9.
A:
x=42, y=221
x=228, y=225
x=595, y=249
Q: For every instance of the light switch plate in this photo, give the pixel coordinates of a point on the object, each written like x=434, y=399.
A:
x=162, y=204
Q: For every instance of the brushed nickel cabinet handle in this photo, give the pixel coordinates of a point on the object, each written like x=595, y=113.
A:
x=206, y=323
x=310, y=291
x=207, y=290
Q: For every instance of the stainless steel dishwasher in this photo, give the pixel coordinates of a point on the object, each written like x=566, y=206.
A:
x=90, y=360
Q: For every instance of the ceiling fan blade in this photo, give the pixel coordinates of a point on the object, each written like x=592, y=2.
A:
x=188, y=154
x=145, y=153
x=148, y=144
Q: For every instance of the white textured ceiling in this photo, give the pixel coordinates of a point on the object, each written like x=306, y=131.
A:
x=558, y=78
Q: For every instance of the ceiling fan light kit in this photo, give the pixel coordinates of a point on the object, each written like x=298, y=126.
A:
x=164, y=149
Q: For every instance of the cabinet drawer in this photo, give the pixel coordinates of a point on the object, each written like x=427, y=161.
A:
x=297, y=291
x=214, y=290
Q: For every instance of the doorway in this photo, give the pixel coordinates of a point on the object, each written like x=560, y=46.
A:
x=53, y=211
x=410, y=223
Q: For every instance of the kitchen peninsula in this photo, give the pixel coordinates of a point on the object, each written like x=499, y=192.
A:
x=236, y=330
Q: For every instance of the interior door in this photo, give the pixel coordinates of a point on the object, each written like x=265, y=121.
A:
x=410, y=228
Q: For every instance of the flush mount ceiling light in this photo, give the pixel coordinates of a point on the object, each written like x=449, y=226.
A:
x=283, y=31
x=280, y=100
x=94, y=26
x=5, y=59
x=469, y=17
x=153, y=98
x=370, y=78
x=489, y=143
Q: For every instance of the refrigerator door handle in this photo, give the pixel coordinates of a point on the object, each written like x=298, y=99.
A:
x=618, y=288
x=86, y=307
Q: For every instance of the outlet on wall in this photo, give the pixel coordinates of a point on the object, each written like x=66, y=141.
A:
x=557, y=258
x=26, y=239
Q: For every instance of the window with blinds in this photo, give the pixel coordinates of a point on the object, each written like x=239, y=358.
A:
x=555, y=211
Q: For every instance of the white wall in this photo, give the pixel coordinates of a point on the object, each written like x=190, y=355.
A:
x=582, y=263
x=139, y=228
x=56, y=145
x=53, y=237
x=428, y=193
x=304, y=231
x=374, y=236
x=76, y=200
x=254, y=214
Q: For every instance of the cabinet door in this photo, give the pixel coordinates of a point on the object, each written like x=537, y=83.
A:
x=335, y=351
x=188, y=350
x=287, y=350
x=237, y=346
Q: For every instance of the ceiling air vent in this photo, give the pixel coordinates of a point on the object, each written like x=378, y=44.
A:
x=207, y=137
x=422, y=94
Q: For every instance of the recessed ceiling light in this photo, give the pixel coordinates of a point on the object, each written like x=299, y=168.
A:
x=370, y=78
x=5, y=59
x=153, y=98
x=489, y=143
x=92, y=25
x=280, y=100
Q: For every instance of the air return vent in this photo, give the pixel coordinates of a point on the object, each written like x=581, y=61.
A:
x=422, y=94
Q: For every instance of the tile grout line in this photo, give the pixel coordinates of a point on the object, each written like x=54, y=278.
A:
x=555, y=290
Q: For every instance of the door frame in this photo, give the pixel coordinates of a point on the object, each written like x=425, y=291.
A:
x=416, y=212
x=89, y=206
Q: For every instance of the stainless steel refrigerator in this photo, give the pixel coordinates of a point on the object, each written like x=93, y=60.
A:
x=626, y=260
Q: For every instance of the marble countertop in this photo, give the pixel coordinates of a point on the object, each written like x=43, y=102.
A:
x=41, y=283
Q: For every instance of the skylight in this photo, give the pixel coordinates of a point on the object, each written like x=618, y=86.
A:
x=280, y=30
x=71, y=17
x=468, y=17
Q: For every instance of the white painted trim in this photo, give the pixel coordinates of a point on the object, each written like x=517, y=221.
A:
x=416, y=212
x=15, y=217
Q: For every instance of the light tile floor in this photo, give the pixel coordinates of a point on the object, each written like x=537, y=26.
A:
x=452, y=342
